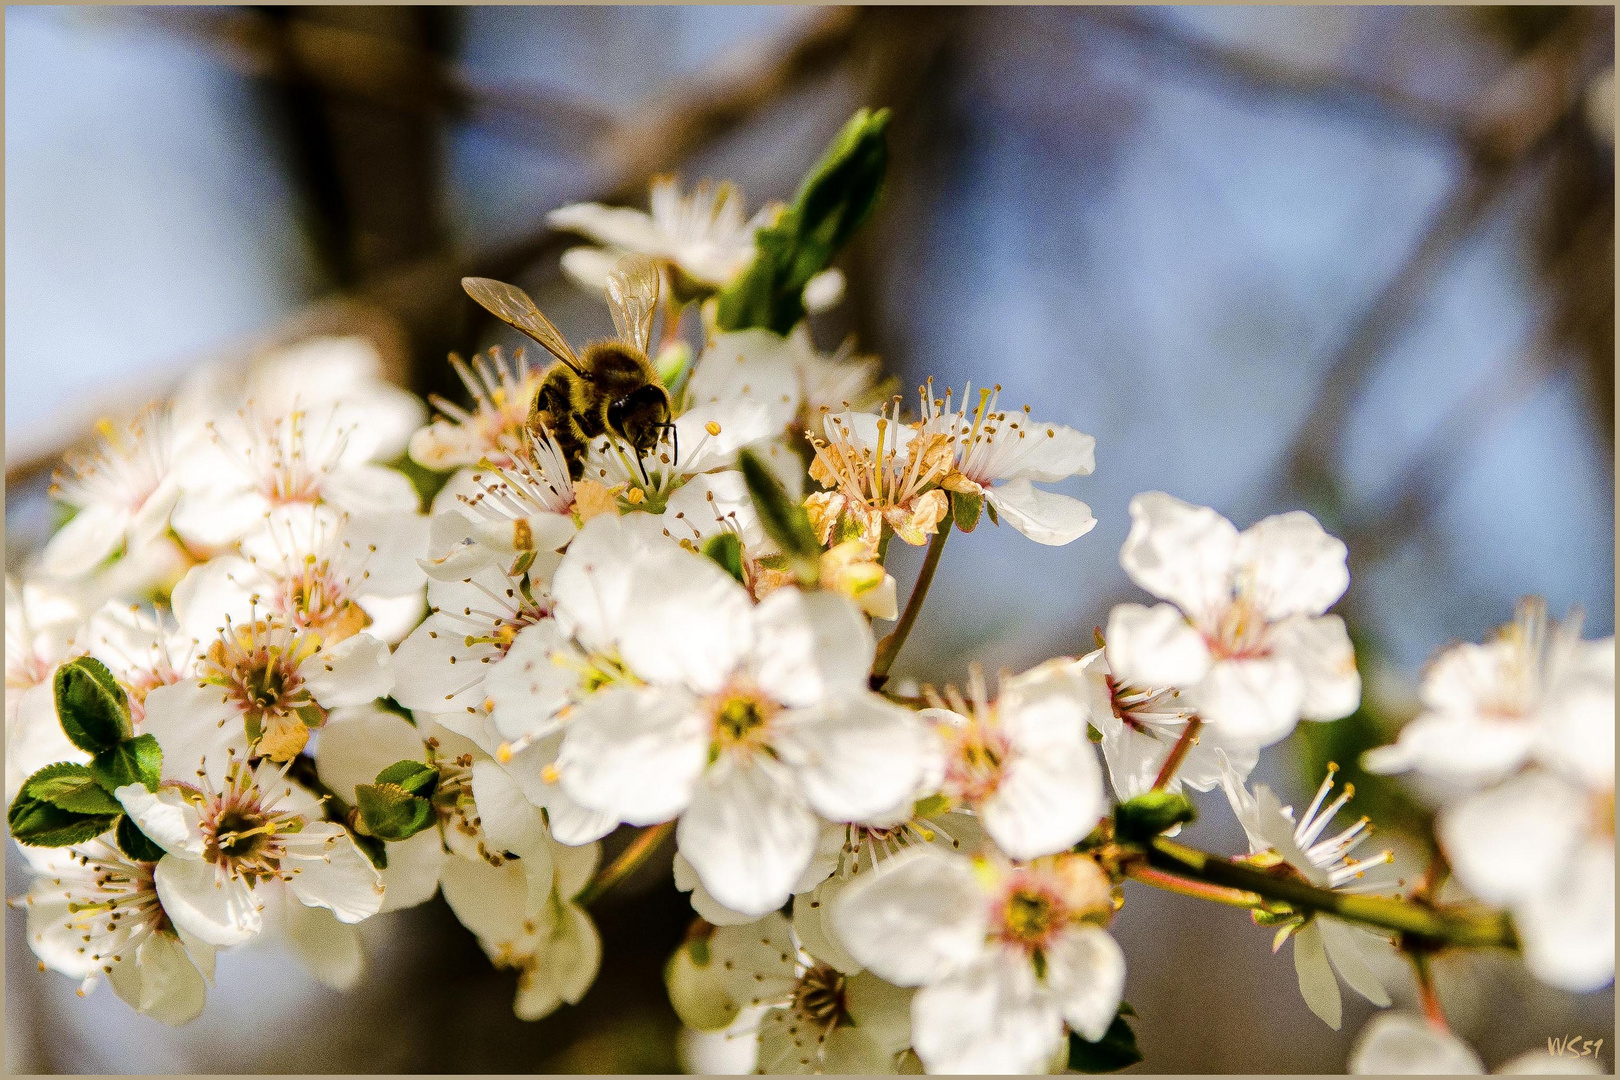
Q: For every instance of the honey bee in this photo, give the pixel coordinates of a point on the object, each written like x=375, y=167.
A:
x=613, y=388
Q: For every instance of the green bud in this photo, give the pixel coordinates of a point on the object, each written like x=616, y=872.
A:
x=783, y=519
x=92, y=707
x=389, y=812
x=833, y=201
x=411, y=776
x=70, y=787
x=133, y=761
x=1140, y=819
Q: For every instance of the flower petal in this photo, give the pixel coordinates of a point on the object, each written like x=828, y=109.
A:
x=635, y=753
x=1567, y=925
x=355, y=671
x=166, y=818
x=1506, y=842
x=356, y=744
x=1048, y=800
x=198, y=726
x=1317, y=984
x=857, y=756
x=1180, y=552
x=159, y=980
x=1292, y=566
x=1320, y=650
x=1346, y=949
x=1155, y=647
x=78, y=547
x=1046, y=517
x=748, y=834
x=992, y=1017
x=1087, y=969
x=1257, y=700
x=328, y=948
x=916, y=919
x=1401, y=1044
x=218, y=911
x=329, y=871
x=811, y=645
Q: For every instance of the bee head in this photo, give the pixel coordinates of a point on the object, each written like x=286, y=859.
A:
x=640, y=417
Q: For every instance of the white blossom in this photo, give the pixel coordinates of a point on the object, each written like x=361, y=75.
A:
x=1542, y=844
x=817, y=1019
x=494, y=430
x=1535, y=692
x=1007, y=957
x=233, y=834
x=1247, y=641
x=1403, y=1044
x=1323, y=945
x=123, y=489
x=702, y=232
x=1141, y=725
x=261, y=685
x=259, y=459
x=93, y=913
x=751, y=720
x=1022, y=763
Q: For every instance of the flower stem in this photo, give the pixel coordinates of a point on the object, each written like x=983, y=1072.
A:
x=640, y=849
x=1178, y=753
x=1198, y=890
x=1417, y=922
x=889, y=647
x=1428, y=993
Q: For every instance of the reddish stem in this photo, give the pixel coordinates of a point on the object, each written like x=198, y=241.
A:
x=1178, y=753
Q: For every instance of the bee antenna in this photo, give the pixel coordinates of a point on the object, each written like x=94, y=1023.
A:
x=675, y=437
x=642, y=465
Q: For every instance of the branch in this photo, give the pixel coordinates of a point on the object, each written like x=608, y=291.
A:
x=639, y=851
x=1421, y=923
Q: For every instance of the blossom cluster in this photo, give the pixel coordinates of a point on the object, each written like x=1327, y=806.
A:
x=264, y=682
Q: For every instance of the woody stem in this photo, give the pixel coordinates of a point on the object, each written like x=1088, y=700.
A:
x=1414, y=921
x=640, y=849
x=889, y=647
x=1178, y=753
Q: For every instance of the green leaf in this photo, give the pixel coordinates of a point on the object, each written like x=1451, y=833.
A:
x=990, y=509
x=374, y=849
x=1116, y=1050
x=136, y=844
x=833, y=201
x=134, y=761
x=69, y=787
x=41, y=824
x=1146, y=816
x=965, y=510
x=783, y=519
x=91, y=705
x=389, y=812
x=726, y=549
x=413, y=777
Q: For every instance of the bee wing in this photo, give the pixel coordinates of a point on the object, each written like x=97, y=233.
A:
x=632, y=292
x=513, y=307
